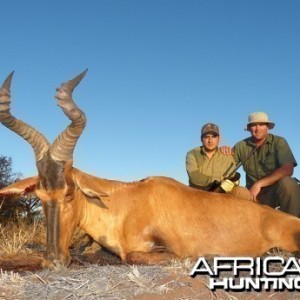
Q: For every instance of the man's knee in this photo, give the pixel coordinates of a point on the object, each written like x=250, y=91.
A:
x=288, y=194
x=241, y=192
x=288, y=184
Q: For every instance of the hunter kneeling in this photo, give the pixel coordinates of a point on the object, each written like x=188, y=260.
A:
x=211, y=170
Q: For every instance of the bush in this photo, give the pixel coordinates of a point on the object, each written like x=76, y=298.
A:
x=12, y=209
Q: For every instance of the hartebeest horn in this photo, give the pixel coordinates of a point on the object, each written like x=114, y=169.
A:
x=71, y=84
x=38, y=142
x=7, y=82
x=64, y=145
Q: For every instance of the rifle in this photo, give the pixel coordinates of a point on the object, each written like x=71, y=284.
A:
x=232, y=176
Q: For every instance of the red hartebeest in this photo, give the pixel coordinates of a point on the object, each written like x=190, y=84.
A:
x=149, y=221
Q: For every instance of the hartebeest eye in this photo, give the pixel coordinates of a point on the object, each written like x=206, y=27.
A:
x=69, y=195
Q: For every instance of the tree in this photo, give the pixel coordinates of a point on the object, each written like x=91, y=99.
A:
x=11, y=209
x=6, y=175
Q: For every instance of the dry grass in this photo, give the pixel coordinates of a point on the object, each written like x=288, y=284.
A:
x=92, y=282
x=86, y=280
x=16, y=237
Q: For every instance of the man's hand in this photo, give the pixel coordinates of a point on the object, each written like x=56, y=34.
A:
x=254, y=191
x=226, y=150
x=227, y=185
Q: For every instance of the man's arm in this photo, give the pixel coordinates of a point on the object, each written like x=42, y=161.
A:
x=286, y=161
x=227, y=150
x=283, y=171
x=195, y=177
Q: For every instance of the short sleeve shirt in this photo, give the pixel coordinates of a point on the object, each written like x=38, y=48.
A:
x=202, y=171
x=273, y=154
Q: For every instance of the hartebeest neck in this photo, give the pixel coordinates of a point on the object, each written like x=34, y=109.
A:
x=100, y=216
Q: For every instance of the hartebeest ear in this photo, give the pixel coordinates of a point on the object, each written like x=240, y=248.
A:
x=89, y=184
x=21, y=187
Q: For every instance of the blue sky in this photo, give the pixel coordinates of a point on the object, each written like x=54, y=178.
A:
x=158, y=70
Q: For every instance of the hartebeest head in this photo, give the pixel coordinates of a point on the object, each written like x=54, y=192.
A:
x=54, y=184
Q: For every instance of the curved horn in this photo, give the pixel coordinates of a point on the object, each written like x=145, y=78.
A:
x=7, y=82
x=71, y=84
x=38, y=142
x=64, y=145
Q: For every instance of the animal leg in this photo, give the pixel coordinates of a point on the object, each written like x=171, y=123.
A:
x=149, y=258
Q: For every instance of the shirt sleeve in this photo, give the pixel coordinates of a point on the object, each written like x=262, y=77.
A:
x=195, y=177
x=284, y=153
x=231, y=165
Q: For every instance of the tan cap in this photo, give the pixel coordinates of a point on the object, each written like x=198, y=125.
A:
x=210, y=128
x=259, y=117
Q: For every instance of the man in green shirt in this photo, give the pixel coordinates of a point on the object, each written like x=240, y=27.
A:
x=206, y=163
x=270, y=167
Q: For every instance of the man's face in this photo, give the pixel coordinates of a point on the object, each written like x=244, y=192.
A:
x=210, y=141
x=259, y=131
